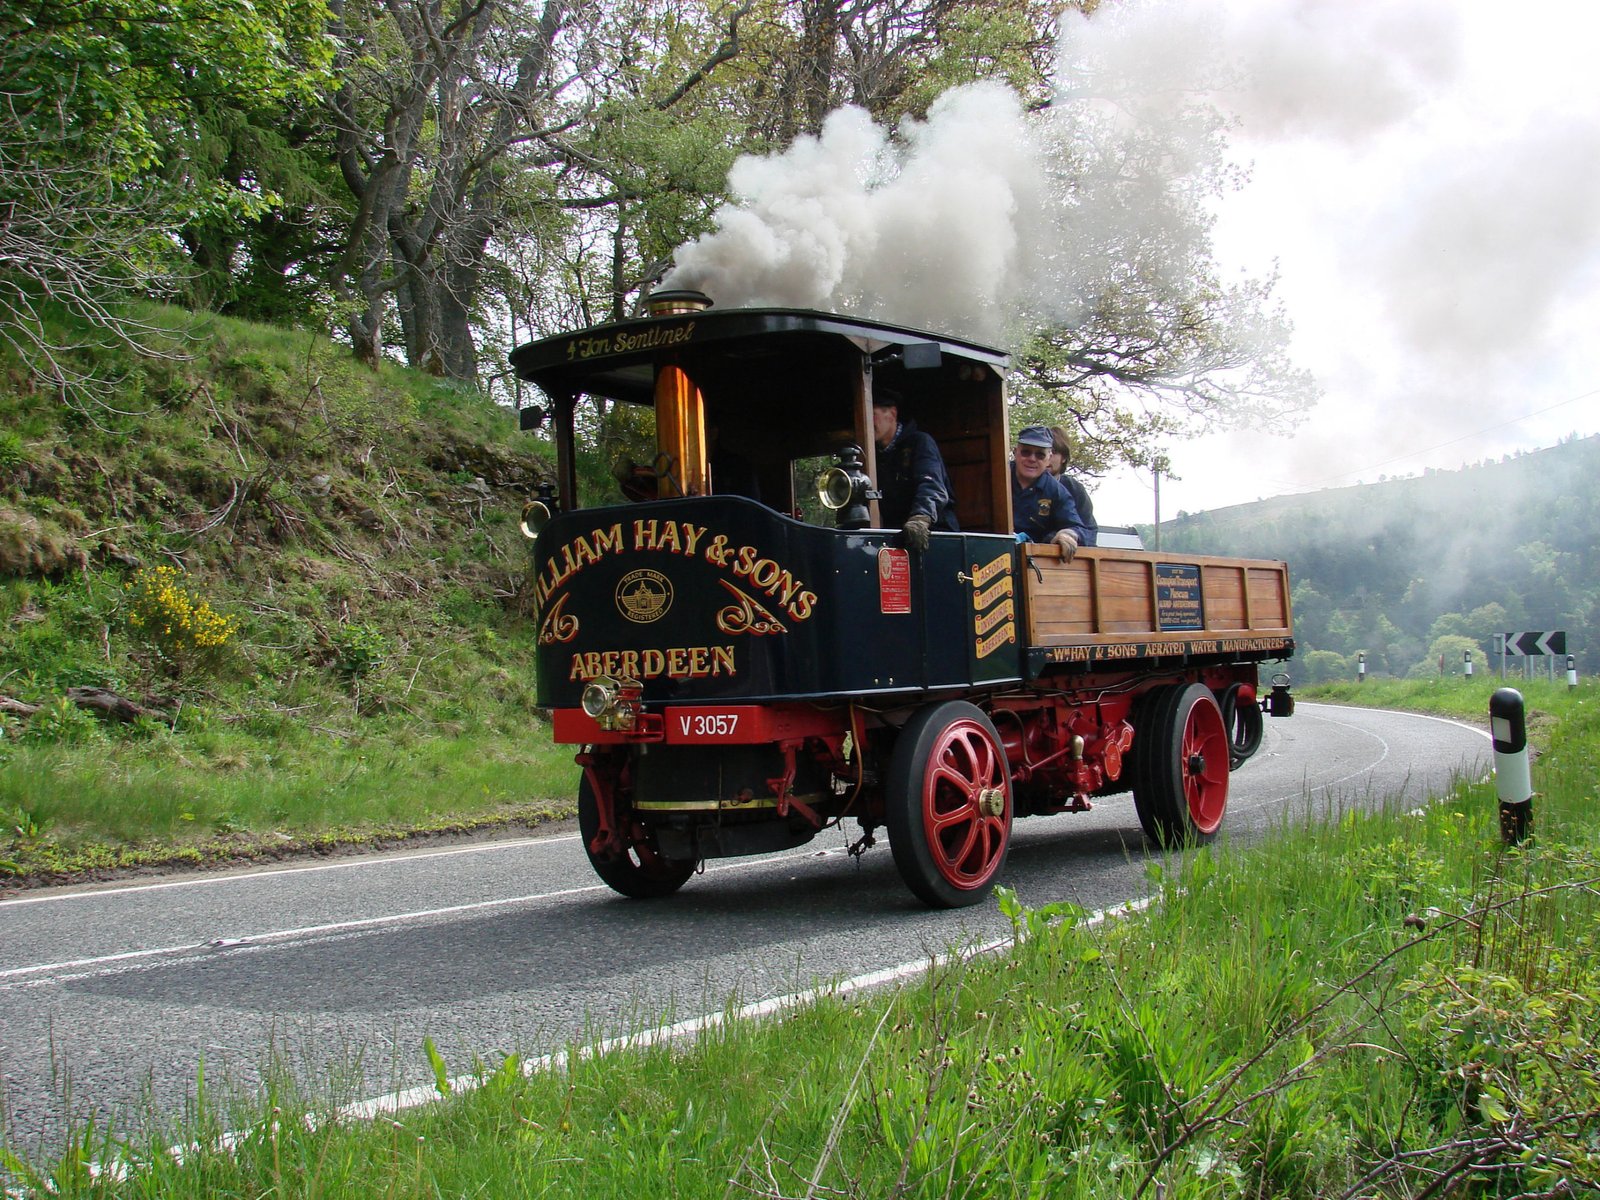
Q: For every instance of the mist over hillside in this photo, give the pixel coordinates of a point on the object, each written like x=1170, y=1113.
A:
x=1392, y=568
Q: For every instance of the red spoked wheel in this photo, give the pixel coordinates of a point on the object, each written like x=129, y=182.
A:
x=949, y=804
x=1182, y=748
x=641, y=871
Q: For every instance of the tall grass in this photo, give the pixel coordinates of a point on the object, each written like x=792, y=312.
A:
x=1381, y=1005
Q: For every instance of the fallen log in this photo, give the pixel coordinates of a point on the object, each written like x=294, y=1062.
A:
x=107, y=704
x=17, y=708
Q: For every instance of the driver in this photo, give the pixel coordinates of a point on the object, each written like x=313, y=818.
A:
x=911, y=474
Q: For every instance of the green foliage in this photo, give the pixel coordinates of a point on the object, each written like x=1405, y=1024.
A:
x=12, y=451
x=324, y=552
x=62, y=721
x=98, y=138
x=1408, y=569
x=358, y=650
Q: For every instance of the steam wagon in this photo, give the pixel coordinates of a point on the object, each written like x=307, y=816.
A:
x=738, y=676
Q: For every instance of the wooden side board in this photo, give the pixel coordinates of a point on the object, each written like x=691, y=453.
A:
x=1141, y=596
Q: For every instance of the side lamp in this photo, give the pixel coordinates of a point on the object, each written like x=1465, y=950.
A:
x=845, y=490
x=536, y=513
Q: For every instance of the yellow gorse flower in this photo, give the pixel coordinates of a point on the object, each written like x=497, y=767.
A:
x=172, y=617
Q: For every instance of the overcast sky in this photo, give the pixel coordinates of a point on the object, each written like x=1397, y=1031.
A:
x=1426, y=176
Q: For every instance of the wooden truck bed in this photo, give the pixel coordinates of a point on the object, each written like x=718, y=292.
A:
x=1112, y=607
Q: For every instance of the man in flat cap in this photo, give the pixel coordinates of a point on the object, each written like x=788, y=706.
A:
x=1042, y=510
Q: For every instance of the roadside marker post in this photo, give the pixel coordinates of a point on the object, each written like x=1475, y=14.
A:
x=1512, y=781
x=1361, y=667
x=1572, y=673
x=1467, y=659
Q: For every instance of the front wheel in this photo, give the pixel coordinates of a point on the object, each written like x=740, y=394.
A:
x=1182, y=750
x=642, y=872
x=949, y=804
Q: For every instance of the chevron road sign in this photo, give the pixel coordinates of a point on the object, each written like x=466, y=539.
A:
x=1554, y=642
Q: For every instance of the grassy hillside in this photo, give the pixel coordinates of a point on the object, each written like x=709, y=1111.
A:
x=306, y=579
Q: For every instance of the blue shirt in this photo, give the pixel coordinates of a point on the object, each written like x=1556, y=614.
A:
x=1044, y=508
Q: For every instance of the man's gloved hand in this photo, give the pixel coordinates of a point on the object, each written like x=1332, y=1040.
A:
x=916, y=531
x=1068, y=541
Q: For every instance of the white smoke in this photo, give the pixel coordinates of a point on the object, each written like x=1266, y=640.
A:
x=929, y=228
x=989, y=221
x=1422, y=176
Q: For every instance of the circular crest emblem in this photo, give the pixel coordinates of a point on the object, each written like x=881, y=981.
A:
x=644, y=596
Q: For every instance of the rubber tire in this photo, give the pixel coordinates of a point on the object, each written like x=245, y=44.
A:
x=942, y=758
x=641, y=874
x=1181, y=800
x=1244, y=724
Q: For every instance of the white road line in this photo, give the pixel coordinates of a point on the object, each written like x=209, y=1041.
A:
x=274, y=872
x=413, y=1097
x=1307, y=789
x=311, y=931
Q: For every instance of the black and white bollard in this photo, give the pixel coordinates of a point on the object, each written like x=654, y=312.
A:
x=1467, y=660
x=1512, y=781
x=1572, y=673
x=1361, y=667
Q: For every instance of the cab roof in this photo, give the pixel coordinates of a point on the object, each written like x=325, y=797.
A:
x=803, y=347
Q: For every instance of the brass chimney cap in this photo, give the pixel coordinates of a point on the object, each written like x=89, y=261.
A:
x=676, y=301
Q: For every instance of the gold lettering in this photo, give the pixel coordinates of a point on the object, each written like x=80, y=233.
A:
x=989, y=620
x=987, y=646
x=982, y=575
x=608, y=539
x=982, y=600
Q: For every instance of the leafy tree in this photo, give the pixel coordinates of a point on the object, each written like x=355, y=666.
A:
x=1451, y=650
x=458, y=125
x=1324, y=666
x=98, y=122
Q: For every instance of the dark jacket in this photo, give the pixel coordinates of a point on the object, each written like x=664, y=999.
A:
x=1043, y=509
x=913, y=479
x=1080, y=497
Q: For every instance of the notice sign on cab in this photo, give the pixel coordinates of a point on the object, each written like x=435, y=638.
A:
x=894, y=580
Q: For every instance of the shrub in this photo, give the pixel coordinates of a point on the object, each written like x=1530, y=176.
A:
x=182, y=626
x=358, y=650
x=63, y=721
x=12, y=452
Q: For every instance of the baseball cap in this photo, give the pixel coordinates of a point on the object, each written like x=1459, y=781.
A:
x=885, y=397
x=1036, y=435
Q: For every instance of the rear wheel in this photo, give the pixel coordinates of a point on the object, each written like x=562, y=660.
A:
x=1183, y=750
x=642, y=872
x=949, y=804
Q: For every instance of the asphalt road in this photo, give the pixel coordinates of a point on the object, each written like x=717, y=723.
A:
x=111, y=997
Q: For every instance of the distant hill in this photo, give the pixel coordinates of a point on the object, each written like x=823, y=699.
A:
x=1391, y=568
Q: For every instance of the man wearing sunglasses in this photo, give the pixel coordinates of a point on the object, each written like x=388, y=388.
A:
x=1042, y=509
